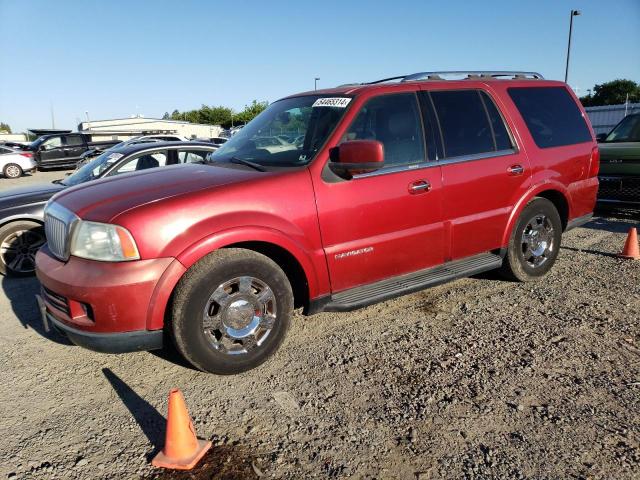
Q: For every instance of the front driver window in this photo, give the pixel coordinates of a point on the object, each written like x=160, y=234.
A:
x=393, y=120
x=53, y=142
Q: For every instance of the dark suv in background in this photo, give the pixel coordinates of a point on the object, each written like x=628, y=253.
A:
x=620, y=164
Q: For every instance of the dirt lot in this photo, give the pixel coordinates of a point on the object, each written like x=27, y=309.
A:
x=481, y=378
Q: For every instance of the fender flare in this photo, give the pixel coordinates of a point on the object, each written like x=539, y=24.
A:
x=526, y=198
x=249, y=233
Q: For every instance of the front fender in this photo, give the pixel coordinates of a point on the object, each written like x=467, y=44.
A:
x=313, y=263
x=526, y=198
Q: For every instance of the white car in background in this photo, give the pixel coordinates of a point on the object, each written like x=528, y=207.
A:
x=13, y=163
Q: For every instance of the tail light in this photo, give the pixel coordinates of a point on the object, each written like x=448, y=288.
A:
x=594, y=162
x=27, y=154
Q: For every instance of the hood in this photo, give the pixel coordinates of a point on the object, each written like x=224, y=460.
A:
x=31, y=194
x=619, y=151
x=102, y=200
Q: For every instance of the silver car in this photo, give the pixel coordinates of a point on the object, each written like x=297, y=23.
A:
x=13, y=163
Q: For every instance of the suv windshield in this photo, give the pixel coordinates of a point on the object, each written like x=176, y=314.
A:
x=628, y=130
x=93, y=169
x=266, y=139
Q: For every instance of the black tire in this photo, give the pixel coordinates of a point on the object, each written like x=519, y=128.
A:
x=205, y=349
x=19, y=242
x=12, y=170
x=521, y=263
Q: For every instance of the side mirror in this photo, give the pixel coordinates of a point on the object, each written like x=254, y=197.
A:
x=601, y=137
x=355, y=157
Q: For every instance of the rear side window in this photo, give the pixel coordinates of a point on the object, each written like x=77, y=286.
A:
x=552, y=116
x=470, y=123
x=73, y=140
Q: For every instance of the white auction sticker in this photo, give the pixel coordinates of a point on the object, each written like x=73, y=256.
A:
x=338, y=102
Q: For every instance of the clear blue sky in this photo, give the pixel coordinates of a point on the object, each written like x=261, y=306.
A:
x=117, y=58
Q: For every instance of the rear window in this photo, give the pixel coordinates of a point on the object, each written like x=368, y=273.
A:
x=552, y=116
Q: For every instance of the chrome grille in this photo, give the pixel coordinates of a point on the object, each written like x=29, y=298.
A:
x=56, y=232
x=57, y=226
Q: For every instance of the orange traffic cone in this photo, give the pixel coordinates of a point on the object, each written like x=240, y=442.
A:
x=631, y=246
x=182, y=450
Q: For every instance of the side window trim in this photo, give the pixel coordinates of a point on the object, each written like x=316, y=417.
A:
x=512, y=139
x=486, y=112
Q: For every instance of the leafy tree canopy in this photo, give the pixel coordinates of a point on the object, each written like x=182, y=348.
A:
x=612, y=93
x=219, y=115
x=5, y=127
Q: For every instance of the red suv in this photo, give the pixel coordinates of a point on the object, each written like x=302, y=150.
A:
x=327, y=201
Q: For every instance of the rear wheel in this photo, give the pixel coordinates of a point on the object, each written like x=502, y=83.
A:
x=535, y=242
x=19, y=243
x=12, y=170
x=231, y=311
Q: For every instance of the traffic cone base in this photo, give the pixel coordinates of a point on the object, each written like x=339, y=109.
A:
x=631, y=249
x=161, y=460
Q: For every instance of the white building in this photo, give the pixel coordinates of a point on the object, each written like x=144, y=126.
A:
x=124, y=128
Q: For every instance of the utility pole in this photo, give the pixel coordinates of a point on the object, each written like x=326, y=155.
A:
x=53, y=120
x=315, y=83
x=574, y=13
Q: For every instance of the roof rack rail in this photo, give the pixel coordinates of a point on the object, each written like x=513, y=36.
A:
x=472, y=74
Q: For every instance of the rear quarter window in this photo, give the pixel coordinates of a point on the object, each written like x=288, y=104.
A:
x=551, y=115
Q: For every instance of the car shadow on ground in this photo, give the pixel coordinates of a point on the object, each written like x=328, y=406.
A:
x=151, y=422
x=169, y=353
x=21, y=294
x=624, y=220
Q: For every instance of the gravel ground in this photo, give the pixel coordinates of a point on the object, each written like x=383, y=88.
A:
x=480, y=378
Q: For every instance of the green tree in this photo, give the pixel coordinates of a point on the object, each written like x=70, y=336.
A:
x=5, y=127
x=219, y=115
x=166, y=116
x=612, y=93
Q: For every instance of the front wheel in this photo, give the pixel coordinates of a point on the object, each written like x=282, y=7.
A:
x=534, y=243
x=231, y=311
x=19, y=243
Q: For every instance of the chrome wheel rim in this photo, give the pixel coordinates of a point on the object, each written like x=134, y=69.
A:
x=13, y=171
x=239, y=315
x=18, y=250
x=538, y=241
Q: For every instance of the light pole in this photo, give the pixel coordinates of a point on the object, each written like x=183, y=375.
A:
x=574, y=13
x=315, y=83
x=86, y=112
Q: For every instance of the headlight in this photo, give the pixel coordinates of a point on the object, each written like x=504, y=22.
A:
x=104, y=242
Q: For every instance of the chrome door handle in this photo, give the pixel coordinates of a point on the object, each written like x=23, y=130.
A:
x=419, y=186
x=515, y=170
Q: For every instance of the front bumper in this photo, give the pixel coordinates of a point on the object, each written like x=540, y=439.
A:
x=619, y=189
x=102, y=306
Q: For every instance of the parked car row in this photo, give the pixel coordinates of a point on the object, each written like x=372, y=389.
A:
x=392, y=187
x=22, y=209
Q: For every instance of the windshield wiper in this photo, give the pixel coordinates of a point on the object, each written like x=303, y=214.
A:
x=244, y=161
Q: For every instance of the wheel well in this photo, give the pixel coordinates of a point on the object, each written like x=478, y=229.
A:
x=289, y=265
x=560, y=202
x=15, y=220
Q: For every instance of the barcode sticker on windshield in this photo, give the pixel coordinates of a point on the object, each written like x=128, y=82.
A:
x=338, y=102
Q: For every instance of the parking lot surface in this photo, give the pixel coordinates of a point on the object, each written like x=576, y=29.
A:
x=481, y=378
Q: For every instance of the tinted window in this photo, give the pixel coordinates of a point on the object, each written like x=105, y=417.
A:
x=73, y=140
x=191, y=156
x=464, y=123
x=628, y=130
x=393, y=120
x=552, y=116
x=502, y=139
x=142, y=162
